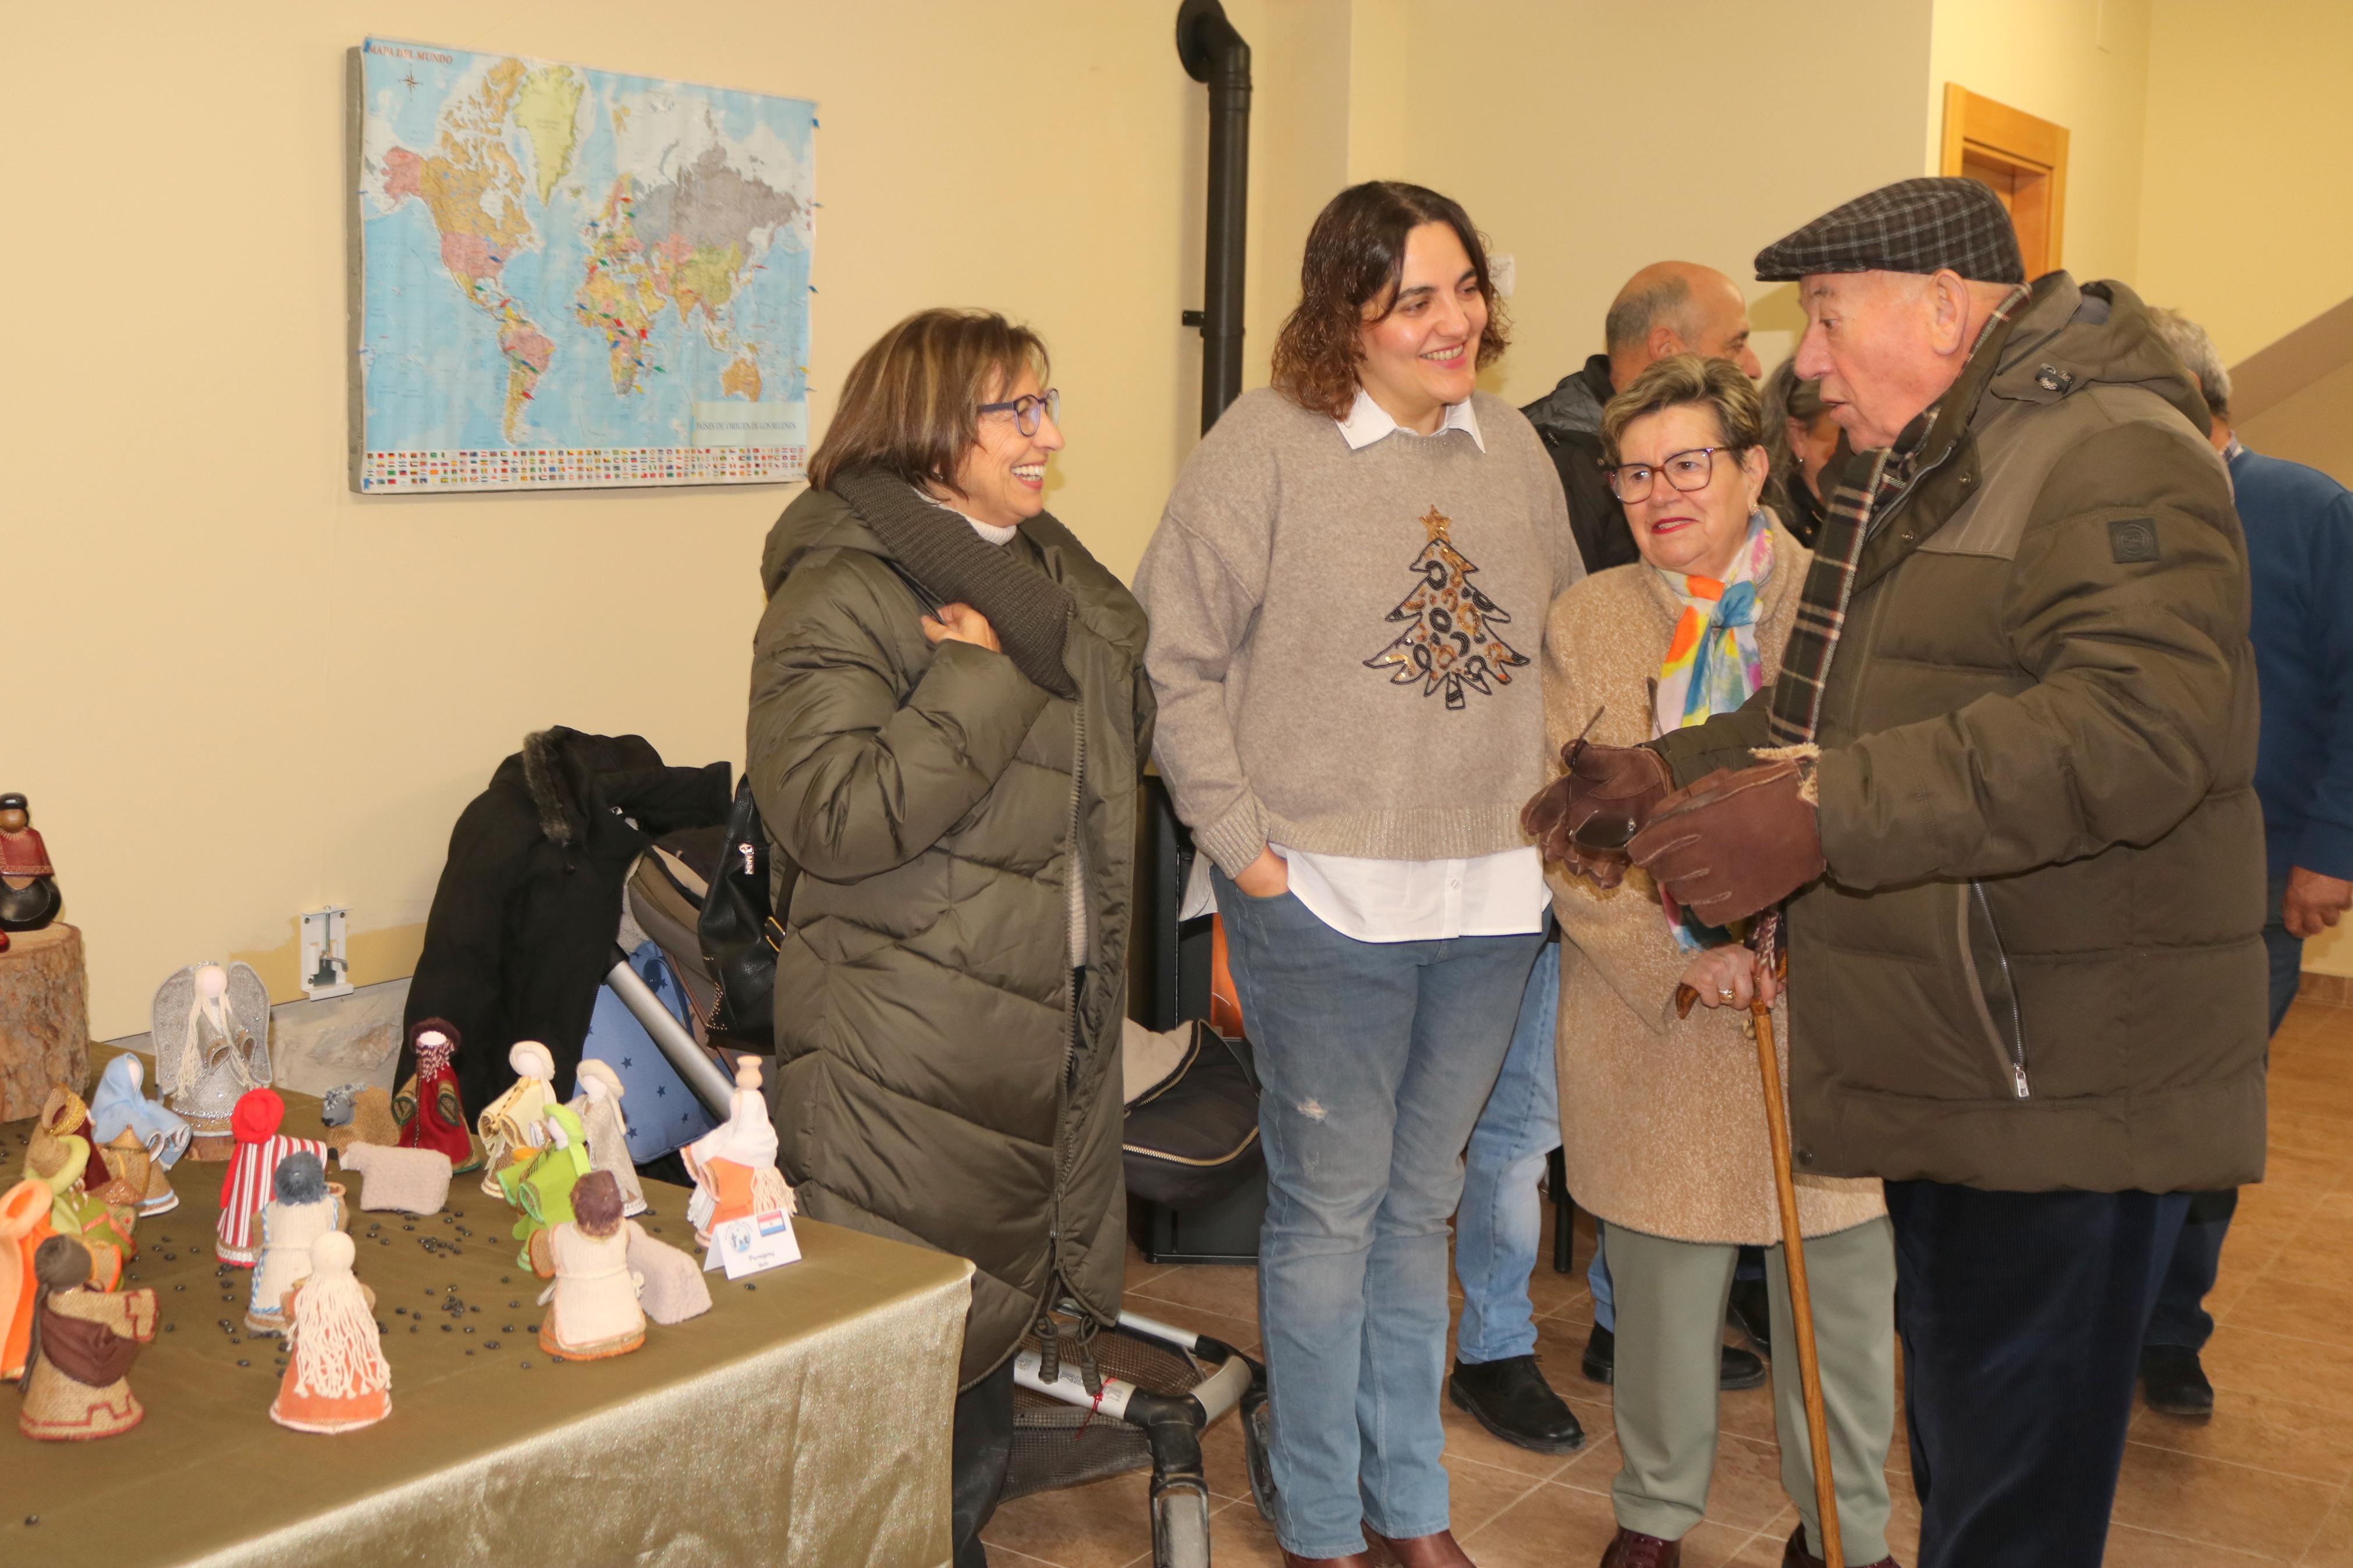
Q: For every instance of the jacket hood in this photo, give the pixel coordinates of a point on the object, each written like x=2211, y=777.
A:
x=2072, y=335
x=816, y=520
x=574, y=776
x=1574, y=407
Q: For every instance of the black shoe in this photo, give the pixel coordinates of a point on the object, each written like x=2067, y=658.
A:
x=1747, y=1312
x=2174, y=1381
x=1511, y=1399
x=1739, y=1369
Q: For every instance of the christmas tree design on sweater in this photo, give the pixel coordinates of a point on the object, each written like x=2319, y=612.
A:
x=1449, y=641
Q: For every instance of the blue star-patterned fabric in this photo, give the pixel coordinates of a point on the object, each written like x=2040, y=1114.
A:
x=658, y=1120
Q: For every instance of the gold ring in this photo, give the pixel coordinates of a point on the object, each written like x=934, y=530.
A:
x=1724, y=992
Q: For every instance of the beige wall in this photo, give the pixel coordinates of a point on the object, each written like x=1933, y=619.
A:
x=2082, y=64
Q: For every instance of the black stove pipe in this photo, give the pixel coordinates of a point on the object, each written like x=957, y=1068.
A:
x=1213, y=53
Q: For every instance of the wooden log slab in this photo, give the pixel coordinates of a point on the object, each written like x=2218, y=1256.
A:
x=44, y=1018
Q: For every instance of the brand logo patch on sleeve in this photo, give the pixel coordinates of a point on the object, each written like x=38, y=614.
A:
x=2133, y=540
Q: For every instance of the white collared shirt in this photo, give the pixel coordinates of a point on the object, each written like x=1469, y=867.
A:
x=1368, y=422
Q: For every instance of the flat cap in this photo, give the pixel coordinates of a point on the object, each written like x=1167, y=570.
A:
x=1913, y=225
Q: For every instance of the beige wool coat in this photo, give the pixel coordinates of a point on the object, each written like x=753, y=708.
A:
x=1661, y=1119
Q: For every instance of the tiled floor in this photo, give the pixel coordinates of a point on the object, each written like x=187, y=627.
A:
x=2265, y=1480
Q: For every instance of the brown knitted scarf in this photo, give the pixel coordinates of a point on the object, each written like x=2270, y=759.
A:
x=939, y=551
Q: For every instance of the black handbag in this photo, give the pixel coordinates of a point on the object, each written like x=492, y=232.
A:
x=739, y=932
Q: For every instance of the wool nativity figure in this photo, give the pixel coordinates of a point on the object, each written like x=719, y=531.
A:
x=336, y=1377
x=507, y=1120
x=251, y=1179
x=299, y=1213
x=84, y=1340
x=734, y=1164
x=430, y=1112
x=120, y=1109
x=599, y=1106
x=592, y=1309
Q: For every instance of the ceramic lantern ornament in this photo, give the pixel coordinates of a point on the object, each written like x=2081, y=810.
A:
x=599, y=1107
x=507, y=1120
x=83, y=1343
x=211, y=1047
x=336, y=1377
x=28, y=891
x=120, y=1109
x=430, y=1112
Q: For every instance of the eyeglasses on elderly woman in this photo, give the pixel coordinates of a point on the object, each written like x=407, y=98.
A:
x=1030, y=410
x=1687, y=471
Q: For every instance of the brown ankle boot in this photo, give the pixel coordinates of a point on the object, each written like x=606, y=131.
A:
x=1795, y=1554
x=1632, y=1549
x=1435, y=1551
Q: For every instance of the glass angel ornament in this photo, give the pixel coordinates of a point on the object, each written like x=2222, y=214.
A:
x=120, y=1109
x=83, y=1343
x=599, y=1107
x=211, y=1047
x=734, y=1164
x=507, y=1120
x=336, y=1377
x=592, y=1308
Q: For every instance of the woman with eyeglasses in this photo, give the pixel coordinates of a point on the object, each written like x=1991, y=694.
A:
x=1346, y=589
x=947, y=725
x=1661, y=1117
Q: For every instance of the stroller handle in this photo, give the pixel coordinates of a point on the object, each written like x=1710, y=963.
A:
x=710, y=1086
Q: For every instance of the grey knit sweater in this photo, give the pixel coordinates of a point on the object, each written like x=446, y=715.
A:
x=1346, y=644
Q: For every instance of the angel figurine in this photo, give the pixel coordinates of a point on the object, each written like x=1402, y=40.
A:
x=592, y=1308
x=251, y=1178
x=734, y=1164
x=119, y=1110
x=336, y=1377
x=541, y=1190
x=212, y=1046
x=430, y=1113
x=506, y=1120
x=83, y=1343
x=599, y=1107
x=299, y=1213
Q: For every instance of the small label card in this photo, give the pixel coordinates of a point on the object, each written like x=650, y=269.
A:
x=754, y=1244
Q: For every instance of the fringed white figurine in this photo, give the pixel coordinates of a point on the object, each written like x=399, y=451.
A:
x=599, y=1106
x=505, y=1121
x=734, y=1164
x=336, y=1377
x=212, y=1048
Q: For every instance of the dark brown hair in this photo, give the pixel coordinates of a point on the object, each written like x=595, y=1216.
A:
x=1716, y=384
x=1354, y=255
x=910, y=406
x=596, y=1204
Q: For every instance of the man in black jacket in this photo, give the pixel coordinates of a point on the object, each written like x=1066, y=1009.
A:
x=1668, y=308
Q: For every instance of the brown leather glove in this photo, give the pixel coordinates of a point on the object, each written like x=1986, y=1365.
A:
x=1734, y=843
x=1585, y=818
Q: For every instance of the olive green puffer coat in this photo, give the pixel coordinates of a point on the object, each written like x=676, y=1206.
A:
x=936, y=1082
x=2036, y=962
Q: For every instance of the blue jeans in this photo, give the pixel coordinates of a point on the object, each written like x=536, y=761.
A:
x=1376, y=1059
x=2181, y=1318
x=1500, y=1226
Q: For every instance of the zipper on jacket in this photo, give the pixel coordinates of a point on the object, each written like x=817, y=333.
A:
x=1063, y=1080
x=1994, y=986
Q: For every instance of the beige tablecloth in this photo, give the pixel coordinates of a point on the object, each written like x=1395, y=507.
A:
x=803, y=1420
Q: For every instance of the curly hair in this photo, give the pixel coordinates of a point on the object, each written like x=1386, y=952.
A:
x=1354, y=255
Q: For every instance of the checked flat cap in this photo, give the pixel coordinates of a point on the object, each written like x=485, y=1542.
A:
x=1913, y=225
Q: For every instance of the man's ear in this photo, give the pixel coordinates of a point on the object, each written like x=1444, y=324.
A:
x=1663, y=341
x=1948, y=304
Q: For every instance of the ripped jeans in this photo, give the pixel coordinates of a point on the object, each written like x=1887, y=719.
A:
x=1376, y=1059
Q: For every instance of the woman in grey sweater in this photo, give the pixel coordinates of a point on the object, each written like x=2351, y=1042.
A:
x=1345, y=594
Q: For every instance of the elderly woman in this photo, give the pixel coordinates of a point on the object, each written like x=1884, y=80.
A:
x=1662, y=1118
x=948, y=719
x=1341, y=588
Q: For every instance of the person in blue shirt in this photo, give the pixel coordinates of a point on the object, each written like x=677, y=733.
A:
x=2299, y=529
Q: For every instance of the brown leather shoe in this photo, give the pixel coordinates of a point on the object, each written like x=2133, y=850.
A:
x=1438, y=1551
x=1632, y=1549
x=1795, y=1554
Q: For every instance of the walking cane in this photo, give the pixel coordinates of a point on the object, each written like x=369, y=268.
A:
x=1793, y=1244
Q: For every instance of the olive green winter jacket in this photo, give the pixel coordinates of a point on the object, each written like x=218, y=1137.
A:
x=936, y=1083
x=2036, y=962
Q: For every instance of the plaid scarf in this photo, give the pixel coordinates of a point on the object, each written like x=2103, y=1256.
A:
x=1869, y=485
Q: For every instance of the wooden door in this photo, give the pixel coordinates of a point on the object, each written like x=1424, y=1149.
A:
x=2021, y=158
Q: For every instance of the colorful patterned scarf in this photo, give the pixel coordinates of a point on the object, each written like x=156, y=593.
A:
x=1871, y=484
x=1712, y=665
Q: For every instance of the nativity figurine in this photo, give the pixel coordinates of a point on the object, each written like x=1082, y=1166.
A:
x=103, y=1228
x=734, y=1164
x=429, y=1108
x=336, y=1377
x=592, y=1308
x=28, y=891
x=358, y=1113
x=212, y=1046
x=251, y=1179
x=299, y=1213
x=541, y=1191
x=120, y=1109
x=24, y=1225
x=506, y=1120
x=599, y=1107
x=84, y=1340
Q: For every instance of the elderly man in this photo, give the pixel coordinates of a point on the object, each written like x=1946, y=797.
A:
x=2006, y=771
x=1667, y=308
x=2299, y=525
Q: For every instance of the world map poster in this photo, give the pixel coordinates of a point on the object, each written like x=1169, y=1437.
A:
x=571, y=278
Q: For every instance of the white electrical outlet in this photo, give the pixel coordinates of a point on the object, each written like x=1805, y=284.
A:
x=326, y=957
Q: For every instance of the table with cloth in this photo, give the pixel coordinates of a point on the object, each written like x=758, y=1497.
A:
x=804, y=1419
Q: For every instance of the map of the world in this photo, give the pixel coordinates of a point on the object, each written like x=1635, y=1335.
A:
x=573, y=278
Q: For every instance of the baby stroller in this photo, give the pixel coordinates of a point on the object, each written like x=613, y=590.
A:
x=1135, y=1395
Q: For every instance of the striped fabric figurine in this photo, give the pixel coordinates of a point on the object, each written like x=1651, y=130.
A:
x=252, y=1172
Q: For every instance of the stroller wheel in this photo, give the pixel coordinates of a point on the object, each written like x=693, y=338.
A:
x=1180, y=1529
x=1257, y=1433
